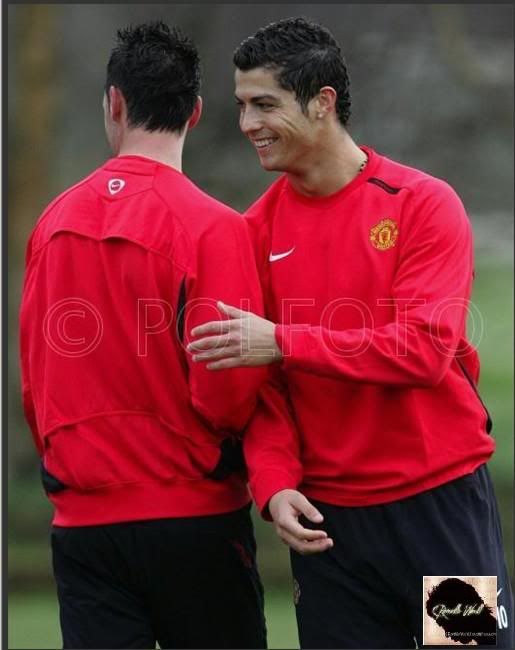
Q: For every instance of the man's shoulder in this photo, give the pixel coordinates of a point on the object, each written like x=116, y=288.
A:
x=430, y=202
x=394, y=176
x=193, y=206
x=72, y=195
x=82, y=207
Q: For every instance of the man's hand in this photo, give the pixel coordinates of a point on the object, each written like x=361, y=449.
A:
x=286, y=507
x=243, y=340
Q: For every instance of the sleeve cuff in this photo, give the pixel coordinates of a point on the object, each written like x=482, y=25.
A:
x=265, y=484
x=293, y=343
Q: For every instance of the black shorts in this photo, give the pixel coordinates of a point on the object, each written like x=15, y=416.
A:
x=183, y=583
x=367, y=591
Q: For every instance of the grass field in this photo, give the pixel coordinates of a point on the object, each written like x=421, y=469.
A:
x=33, y=621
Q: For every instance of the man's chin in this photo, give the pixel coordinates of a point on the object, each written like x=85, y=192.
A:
x=270, y=165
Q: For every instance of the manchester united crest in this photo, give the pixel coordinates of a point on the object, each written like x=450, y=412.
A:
x=384, y=235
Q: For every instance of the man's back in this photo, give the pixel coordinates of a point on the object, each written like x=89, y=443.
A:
x=119, y=269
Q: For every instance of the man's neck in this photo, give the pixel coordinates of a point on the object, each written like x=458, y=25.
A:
x=335, y=163
x=165, y=148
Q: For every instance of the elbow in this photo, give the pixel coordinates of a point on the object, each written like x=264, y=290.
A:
x=430, y=356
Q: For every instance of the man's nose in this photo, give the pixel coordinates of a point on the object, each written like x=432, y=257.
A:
x=249, y=121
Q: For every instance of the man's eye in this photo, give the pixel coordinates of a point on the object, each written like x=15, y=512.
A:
x=264, y=106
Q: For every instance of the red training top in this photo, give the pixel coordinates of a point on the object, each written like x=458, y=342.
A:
x=120, y=268
x=370, y=287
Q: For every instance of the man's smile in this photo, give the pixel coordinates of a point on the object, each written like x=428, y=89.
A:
x=263, y=143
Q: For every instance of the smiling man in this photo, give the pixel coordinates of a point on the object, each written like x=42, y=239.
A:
x=367, y=267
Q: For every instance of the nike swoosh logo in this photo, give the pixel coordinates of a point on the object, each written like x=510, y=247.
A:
x=279, y=256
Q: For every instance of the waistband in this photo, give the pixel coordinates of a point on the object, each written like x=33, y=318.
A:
x=149, y=500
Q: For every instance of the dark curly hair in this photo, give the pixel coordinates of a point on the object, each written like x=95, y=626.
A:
x=304, y=55
x=157, y=68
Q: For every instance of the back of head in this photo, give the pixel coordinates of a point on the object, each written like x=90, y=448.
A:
x=305, y=56
x=157, y=69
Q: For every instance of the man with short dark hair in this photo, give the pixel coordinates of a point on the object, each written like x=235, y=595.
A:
x=152, y=538
x=367, y=268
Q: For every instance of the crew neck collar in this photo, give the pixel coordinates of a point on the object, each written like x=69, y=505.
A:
x=137, y=161
x=330, y=199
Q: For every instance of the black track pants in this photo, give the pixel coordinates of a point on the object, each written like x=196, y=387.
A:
x=183, y=583
x=367, y=591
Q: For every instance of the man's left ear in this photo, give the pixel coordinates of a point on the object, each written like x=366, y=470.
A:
x=116, y=104
x=325, y=102
x=195, y=116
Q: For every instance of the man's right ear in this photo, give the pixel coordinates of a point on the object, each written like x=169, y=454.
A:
x=195, y=116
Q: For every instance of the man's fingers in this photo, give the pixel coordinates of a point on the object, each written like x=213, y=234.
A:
x=306, y=508
x=212, y=327
x=306, y=547
x=232, y=362
x=210, y=342
x=228, y=351
x=231, y=311
x=293, y=527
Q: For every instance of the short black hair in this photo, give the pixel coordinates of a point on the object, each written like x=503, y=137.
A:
x=306, y=57
x=157, y=68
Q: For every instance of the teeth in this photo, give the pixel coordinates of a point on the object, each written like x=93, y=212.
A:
x=264, y=143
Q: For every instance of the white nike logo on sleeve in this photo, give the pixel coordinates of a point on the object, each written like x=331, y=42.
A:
x=279, y=256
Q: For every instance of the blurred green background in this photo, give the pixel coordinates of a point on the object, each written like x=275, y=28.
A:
x=432, y=87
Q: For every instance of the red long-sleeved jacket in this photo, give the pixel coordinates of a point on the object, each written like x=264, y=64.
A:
x=370, y=289
x=119, y=269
